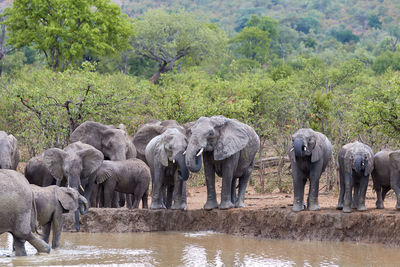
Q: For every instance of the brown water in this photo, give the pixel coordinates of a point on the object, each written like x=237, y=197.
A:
x=197, y=249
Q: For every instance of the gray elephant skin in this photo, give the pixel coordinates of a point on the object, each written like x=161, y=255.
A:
x=356, y=162
x=386, y=176
x=164, y=155
x=9, y=155
x=309, y=154
x=37, y=173
x=130, y=176
x=51, y=202
x=228, y=148
x=18, y=212
x=114, y=143
x=166, y=160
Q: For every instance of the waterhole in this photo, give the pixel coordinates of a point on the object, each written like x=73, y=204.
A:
x=196, y=249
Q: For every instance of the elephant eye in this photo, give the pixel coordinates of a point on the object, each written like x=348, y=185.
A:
x=211, y=133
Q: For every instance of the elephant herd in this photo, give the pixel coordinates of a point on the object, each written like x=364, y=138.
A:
x=105, y=167
x=310, y=152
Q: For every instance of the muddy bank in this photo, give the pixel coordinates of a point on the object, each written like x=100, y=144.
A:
x=373, y=226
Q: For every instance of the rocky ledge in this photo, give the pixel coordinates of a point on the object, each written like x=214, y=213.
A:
x=373, y=226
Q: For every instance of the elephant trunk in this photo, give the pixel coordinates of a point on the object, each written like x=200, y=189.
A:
x=359, y=165
x=299, y=147
x=83, y=205
x=183, y=170
x=5, y=161
x=193, y=160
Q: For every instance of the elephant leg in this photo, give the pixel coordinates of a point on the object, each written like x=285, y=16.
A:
x=394, y=183
x=356, y=195
x=109, y=190
x=122, y=200
x=209, y=172
x=170, y=190
x=93, y=196
x=37, y=243
x=243, y=181
x=228, y=169
x=348, y=192
x=115, y=199
x=157, y=199
x=19, y=246
x=145, y=197
x=379, y=198
x=177, y=196
x=130, y=201
x=56, y=225
x=134, y=201
x=46, y=232
x=362, y=192
x=341, y=190
x=315, y=175
x=299, y=180
x=384, y=192
x=233, y=191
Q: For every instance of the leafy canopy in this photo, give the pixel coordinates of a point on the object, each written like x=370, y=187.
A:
x=168, y=37
x=65, y=29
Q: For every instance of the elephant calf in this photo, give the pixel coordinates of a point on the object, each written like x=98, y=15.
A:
x=51, y=203
x=386, y=175
x=130, y=176
x=356, y=162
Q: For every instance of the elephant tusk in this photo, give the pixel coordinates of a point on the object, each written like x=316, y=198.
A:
x=200, y=152
x=291, y=149
x=173, y=161
x=184, y=153
x=83, y=190
x=305, y=148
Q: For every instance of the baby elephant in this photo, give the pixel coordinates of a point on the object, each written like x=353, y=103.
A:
x=356, y=162
x=51, y=202
x=130, y=176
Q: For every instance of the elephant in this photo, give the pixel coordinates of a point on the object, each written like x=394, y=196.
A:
x=9, y=155
x=229, y=148
x=164, y=155
x=37, y=173
x=386, y=176
x=51, y=202
x=18, y=212
x=309, y=155
x=356, y=162
x=72, y=166
x=113, y=142
x=130, y=176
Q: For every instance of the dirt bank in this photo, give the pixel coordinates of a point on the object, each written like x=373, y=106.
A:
x=274, y=222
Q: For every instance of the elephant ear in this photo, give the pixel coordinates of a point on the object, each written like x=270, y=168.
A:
x=144, y=135
x=370, y=161
x=233, y=138
x=91, y=160
x=131, y=151
x=102, y=174
x=395, y=159
x=53, y=159
x=188, y=128
x=68, y=197
x=161, y=154
x=14, y=144
x=318, y=151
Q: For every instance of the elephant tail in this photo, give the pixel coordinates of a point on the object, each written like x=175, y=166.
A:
x=34, y=224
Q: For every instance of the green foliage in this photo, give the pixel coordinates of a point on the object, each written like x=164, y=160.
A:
x=374, y=22
x=344, y=35
x=386, y=60
x=64, y=29
x=307, y=24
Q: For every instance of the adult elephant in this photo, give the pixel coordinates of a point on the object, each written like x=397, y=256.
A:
x=309, y=155
x=114, y=143
x=9, y=155
x=130, y=176
x=37, y=173
x=164, y=155
x=386, y=176
x=51, y=202
x=356, y=162
x=18, y=212
x=228, y=148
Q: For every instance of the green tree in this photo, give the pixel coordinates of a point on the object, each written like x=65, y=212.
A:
x=386, y=60
x=64, y=29
x=170, y=38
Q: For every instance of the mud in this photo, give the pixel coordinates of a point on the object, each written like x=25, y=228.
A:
x=373, y=226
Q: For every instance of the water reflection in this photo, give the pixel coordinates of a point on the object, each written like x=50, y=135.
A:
x=196, y=249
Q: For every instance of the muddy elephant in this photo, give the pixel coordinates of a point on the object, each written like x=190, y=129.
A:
x=130, y=176
x=73, y=167
x=9, y=155
x=51, y=202
x=18, y=212
x=386, y=176
x=356, y=162
x=309, y=154
x=228, y=148
x=164, y=155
